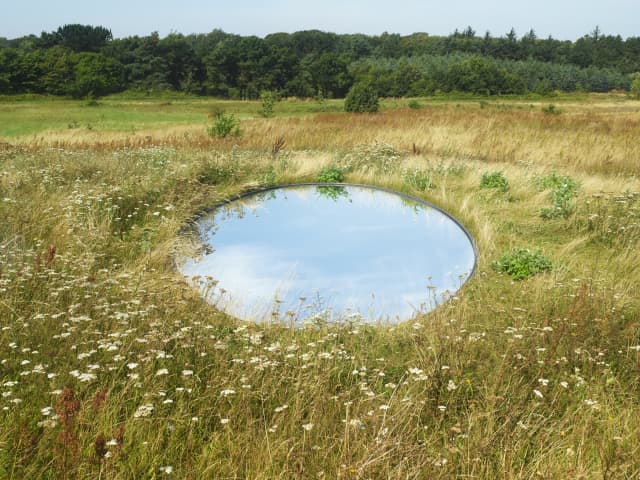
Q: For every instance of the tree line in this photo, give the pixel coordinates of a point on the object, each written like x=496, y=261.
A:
x=78, y=60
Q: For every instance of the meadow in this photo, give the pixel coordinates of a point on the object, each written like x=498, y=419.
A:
x=112, y=366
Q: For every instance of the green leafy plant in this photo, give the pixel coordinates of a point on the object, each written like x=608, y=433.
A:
x=332, y=174
x=415, y=105
x=418, y=179
x=269, y=100
x=362, y=98
x=551, y=109
x=564, y=189
x=224, y=125
x=523, y=263
x=635, y=86
x=495, y=180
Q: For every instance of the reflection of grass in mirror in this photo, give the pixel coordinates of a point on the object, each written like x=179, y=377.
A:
x=332, y=192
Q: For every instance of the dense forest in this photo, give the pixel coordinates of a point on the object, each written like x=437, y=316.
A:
x=81, y=60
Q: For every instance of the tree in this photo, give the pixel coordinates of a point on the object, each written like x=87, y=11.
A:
x=635, y=85
x=362, y=98
x=82, y=38
x=95, y=74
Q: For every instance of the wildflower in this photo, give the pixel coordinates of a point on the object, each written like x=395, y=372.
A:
x=166, y=470
x=451, y=386
x=187, y=373
x=307, y=427
x=281, y=408
x=538, y=393
x=162, y=371
x=143, y=411
x=131, y=365
x=227, y=392
x=224, y=421
x=564, y=384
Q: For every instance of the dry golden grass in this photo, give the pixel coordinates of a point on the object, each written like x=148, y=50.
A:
x=585, y=137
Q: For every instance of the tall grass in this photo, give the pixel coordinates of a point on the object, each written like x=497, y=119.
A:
x=111, y=366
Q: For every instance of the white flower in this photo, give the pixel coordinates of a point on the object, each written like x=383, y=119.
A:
x=307, y=426
x=282, y=408
x=162, y=371
x=166, y=470
x=227, y=392
x=187, y=373
x=131, y=365
x=143, y=410
x=538, y=393
x=224, y=421
x=451, y=386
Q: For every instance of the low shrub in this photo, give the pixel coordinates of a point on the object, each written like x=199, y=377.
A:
x=495, y=180
x=523, y=263
x=564, y=189
x=224, y=125
x=362, y=98
x=332, y=174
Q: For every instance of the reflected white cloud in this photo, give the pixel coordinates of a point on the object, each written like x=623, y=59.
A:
x=371, y=252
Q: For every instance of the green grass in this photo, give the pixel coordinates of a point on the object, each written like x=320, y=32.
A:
x=536, y=378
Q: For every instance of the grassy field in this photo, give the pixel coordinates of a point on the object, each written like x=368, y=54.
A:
x=111, y=366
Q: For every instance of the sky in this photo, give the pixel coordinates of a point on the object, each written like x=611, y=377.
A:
x=563, y=19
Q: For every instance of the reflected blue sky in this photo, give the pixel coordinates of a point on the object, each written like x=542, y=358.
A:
x=368, y=252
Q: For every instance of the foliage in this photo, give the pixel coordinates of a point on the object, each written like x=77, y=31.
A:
x=332, y=174
x=495, y=180
x=314, y=64
x=224, y=125
x=268, y=99
x=551, y=109
x=414, y=105
x=635, y=86
x=418, y=179
x=563, y=191
x=522, y=263
x=362, y=98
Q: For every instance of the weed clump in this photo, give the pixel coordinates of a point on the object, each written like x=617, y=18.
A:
x=523, y=263
x=418, y=179
x=564, y=189
x=551, y=110
x=224, y=125
x=495, y=180
x=332, y=174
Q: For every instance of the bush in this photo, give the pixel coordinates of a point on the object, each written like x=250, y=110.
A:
x=523, y=263
x=551, y=110
x=635, y=86
x=362, y=98
x=563, y=190
x=269, y=100
x=331, y=174
x=494, y=180
x=415, y=105
x=225, y=124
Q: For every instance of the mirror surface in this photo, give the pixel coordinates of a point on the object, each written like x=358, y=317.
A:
x=300, y=253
